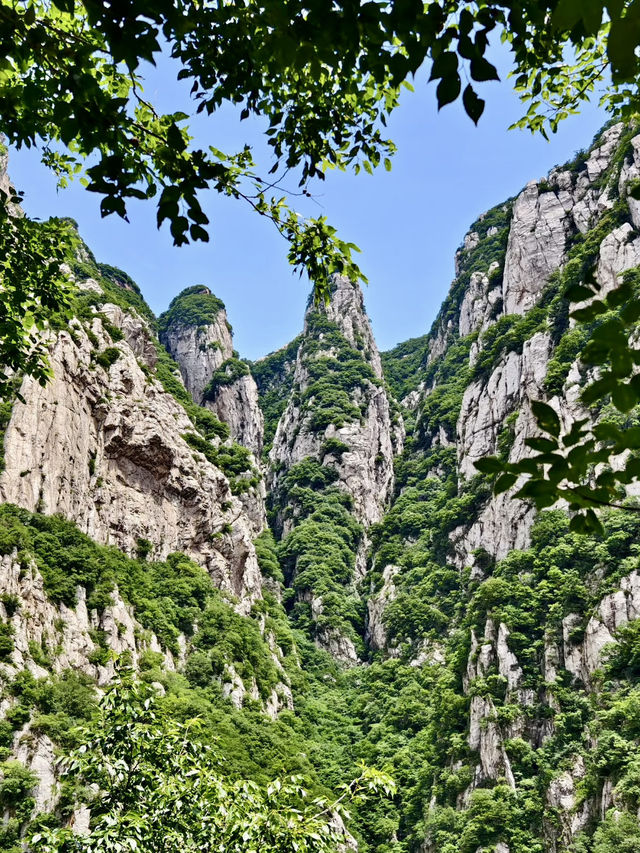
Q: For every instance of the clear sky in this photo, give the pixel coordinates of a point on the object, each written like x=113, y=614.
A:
x=408, y=222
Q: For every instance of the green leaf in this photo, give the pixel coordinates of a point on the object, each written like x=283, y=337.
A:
x=537, y=489
x=544, y=445
x=546, y=417
x=482, y=70
x=578, y=292
x=175, y=139
x=65, y=6
x=198, y=233
x=444, y=65
x=621, y=46
x=448, y=90
x=591, y=312
x=598, y=390
x=619, y=295
x=504, y=482
x=489, y=465
x=474, y=106
x=586, y=523
x=526, y=466
x=623, y=397
x=567, y=14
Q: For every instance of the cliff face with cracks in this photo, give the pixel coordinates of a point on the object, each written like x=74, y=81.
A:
x=544, y=617
x=336, y=436
x=198, y=335
x=393, y=608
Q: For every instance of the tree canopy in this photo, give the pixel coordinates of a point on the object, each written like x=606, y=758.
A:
x=152, y=785
x=326, y=75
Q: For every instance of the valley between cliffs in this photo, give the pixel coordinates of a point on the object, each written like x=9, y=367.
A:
x=300, y=550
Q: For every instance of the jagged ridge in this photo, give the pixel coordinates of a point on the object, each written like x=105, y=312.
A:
x=475, y=633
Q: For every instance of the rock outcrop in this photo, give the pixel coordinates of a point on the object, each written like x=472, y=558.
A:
x=365, y=466
x=196, y=332
x=236, y=404
x=103, y=445
x=545, y=216
x=504, y=339
x=338, y=417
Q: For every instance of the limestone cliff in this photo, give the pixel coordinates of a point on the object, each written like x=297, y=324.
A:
x=196, y=332
x=393, y=610
x=360, y=417
x=198, y=335
x=334, y=437
x=104, y=445
x=510, y=267
x=543, y=616
x=114, y=445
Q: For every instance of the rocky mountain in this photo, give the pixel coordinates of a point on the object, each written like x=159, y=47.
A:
x=197, y=334
x=302, y=551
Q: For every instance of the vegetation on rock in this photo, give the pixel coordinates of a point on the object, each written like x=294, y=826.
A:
x=193, y=306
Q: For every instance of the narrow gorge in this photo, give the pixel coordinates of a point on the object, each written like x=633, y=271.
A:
x=300, y=550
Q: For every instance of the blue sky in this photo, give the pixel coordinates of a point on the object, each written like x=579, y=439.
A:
x=408, y=222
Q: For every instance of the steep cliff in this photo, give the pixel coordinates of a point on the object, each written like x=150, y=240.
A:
x=393, y=610
x=507, y=615
x=196, y=332
x=331, y=466
x=123, y=529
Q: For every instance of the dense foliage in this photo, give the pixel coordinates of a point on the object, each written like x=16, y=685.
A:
x=337, y=371
x=31, y=287
x=157, y=786
x=274, y=377
x=193, y=306
x=319, y=554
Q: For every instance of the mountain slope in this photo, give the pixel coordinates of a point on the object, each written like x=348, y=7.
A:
x=393, y=610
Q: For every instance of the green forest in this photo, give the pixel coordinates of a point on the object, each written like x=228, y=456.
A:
x=477, y=661
x=329, y=599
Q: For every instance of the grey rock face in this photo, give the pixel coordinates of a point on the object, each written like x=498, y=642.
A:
x=486, y=405
x=479, y=302
x=237, y=405
x=346, y=309
x=104, y=448
x=376, y=634
x=619, y=251
x=199, y=351
x=536, y=246
x=486, y=738
x=503, y=524
x=5, y=182
x=366, y=469
x=485, y=734
x=542, y=221
x=136, y=332
x=582, y=659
